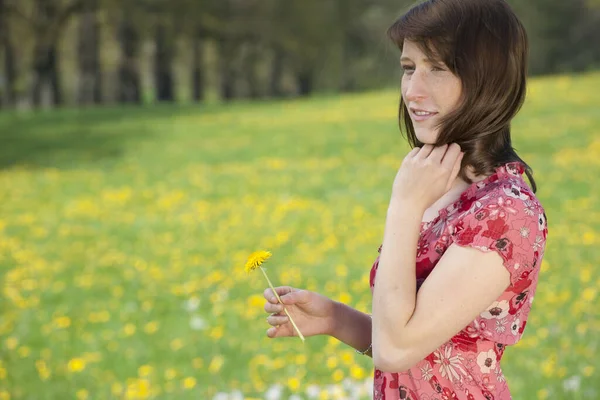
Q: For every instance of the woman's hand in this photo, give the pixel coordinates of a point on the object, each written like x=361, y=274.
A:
x=426, y=174
x=313, y=313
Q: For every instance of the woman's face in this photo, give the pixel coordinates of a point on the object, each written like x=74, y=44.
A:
x=430, y=91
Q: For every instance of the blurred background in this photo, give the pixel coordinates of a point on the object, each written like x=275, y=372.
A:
x=147, y=147
x=82, y=52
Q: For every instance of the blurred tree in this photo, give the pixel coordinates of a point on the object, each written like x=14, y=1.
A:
x=247, y=48
x=225, y=34
x=276, y=72
x=47, y=20
x=163, y=63
x=198, y=87
x=88, y=53
x=192, y=22
x=252, y=34
x=129, y=40
x=9, y=77
x=352, y=37
x=563, y=34
x=161, y=15
x=306, y=37
x=272, y=31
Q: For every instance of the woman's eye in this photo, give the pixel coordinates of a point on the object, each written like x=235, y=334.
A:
x=408, y=68
x=437, y=68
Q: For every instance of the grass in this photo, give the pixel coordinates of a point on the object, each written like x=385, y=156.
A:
x=124, y=232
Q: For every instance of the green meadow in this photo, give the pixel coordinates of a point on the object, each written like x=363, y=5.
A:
x=124, y=233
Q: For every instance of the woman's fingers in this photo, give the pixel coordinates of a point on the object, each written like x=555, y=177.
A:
x=281, y=290
x=451, y=156
x=457, y=165
x=276, y=320
x=425, y=151
x=297, y=296
x=437, y=154
x=281, y=330
x=273, y=308
x=413, y=152
x=273, y=332
x=287, y=294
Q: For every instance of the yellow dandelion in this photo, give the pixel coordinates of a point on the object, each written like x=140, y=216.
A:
x=176, y=344
x=216, y=363
x=43, y=370
x=293, y=384
x=116, y=389
x=189, y=383
x=151, y=327
x=338, y=375
x=129, y=329
x=24, y=351
x=11, y=343
x=76, y=365
x=144, y=371
x=255, y=260
x=170, y=374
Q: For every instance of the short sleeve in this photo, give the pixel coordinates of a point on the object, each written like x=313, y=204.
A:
x=509, y=220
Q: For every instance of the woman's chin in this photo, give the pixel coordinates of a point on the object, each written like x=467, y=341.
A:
x=426, y=137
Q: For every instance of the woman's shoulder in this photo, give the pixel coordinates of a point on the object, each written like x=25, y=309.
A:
x=506, y=187
x=505, y=216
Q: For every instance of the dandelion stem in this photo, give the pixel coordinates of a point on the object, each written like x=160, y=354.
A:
x=286, y=311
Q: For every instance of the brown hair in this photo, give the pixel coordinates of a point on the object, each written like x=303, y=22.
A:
x=485, y=45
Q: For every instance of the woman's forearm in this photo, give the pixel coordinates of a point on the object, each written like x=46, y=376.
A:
x=394, y=294
x=352, y=327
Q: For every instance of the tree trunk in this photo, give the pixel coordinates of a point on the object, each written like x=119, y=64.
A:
x=49, y=20
x=10, y=70
x=45, y=67
x=348, y=83
x=129, y=75
x=198, y=88
x=54, y=77
x=251, y=68
x=304, y=80
x=45, y=72
x=226, y=67
x=163, y=60
x=90, y=76
x=276, y=75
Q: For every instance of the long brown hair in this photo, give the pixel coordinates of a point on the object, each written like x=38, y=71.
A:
x=485, y=45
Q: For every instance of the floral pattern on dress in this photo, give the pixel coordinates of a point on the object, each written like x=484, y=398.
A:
x=501, y=214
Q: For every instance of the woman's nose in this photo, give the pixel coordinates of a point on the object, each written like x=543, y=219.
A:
x=416, y=88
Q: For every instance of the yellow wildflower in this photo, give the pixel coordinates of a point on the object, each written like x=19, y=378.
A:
x=197, y=362
x=144, y=371
x=256, y=259
x=215, y=364
x=151, y=327
x=76, y=365
x=170, y=373
x=189, y=383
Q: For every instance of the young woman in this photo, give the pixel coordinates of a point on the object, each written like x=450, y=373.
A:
x=464, y=235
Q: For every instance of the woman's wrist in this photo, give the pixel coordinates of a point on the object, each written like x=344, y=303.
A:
x=334, y=318
x=351, y=327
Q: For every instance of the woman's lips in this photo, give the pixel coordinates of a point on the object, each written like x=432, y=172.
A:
x=421, y=115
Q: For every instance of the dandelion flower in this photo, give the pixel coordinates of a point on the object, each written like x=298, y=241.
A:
x=255, y=260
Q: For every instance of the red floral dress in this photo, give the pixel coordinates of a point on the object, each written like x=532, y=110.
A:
x=501, y=214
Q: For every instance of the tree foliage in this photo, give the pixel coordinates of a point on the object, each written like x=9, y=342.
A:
x=238, y=48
